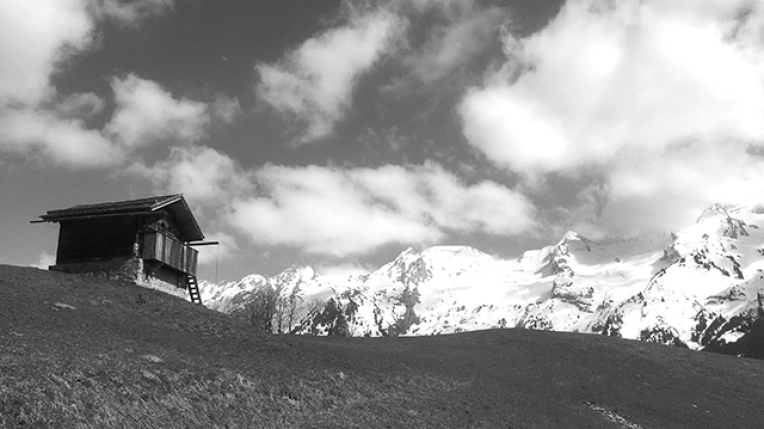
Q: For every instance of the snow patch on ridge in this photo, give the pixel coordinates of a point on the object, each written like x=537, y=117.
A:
x=692, y=288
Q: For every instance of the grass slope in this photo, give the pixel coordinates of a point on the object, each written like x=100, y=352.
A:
x=81, y=352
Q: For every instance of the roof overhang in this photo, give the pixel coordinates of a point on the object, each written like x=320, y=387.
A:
x=185, y=220
x=174, y=206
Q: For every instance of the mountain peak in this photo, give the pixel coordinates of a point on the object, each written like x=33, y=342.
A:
x=709, y=273
x=303, y=273
x=570, y=236
x=409, y=250
x=448, y=251
x=717, y=209
x=252, y=279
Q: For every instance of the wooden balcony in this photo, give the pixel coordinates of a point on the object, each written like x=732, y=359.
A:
x=163, y=248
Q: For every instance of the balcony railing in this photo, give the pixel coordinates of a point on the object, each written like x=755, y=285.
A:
x=163, y=248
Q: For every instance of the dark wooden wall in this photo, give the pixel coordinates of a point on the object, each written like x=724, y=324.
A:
x=160, y=247
x=107, y=238
x=87, y=240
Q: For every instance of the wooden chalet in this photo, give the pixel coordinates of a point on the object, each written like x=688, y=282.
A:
x=147, y=241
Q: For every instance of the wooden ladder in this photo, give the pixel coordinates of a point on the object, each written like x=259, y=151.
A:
x=193, y=289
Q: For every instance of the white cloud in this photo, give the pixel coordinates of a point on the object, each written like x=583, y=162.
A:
x=340, y=212
x=320, y=211
x=225, y=109
x=36, y=36
x=639, y=90
x=131, y=12
x=64, y=141
x=33, y=34
x=45, y=260
x=341, y=271
x=80, y=105
x=147, y=113
x=467, y=30
x=313, y=84
x=204, y=175
x=668, y=192
x=226, y=249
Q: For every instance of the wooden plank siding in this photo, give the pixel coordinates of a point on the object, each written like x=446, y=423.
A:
x=163, y=248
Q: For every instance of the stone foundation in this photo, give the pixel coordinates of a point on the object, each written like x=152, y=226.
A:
x=126, y=269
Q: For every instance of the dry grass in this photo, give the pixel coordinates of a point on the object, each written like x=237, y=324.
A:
x=134, y=394
x=82, y=352
x=85, y=353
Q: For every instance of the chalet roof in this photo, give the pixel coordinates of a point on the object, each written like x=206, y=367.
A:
x=175, y=205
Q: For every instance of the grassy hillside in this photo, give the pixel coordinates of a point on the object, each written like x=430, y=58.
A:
x=80, y=352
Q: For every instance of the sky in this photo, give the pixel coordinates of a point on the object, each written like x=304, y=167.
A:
x=338, y=133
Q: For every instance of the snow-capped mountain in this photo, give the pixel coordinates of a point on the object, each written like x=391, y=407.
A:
x=699, y=287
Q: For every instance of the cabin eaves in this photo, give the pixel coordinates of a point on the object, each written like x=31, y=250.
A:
x=175, y=205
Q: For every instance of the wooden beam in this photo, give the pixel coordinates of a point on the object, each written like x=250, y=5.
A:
x=203, y=243
x=78, y=217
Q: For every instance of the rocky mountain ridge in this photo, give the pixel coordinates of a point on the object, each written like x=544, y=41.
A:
x=699, y=288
